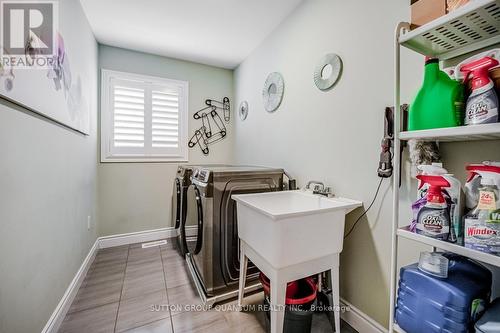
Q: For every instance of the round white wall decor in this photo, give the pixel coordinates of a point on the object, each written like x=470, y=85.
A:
x=243, y=110
x=273, y=91
x=327, y=71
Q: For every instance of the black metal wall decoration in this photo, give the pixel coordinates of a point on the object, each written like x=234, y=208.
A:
x=210, y=118
x=224, y=105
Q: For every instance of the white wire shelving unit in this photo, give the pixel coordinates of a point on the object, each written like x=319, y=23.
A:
x=467, y=29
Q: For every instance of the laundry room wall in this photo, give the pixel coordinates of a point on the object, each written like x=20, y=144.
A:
x=48, y=187
x=334, y=136
x=137, y=196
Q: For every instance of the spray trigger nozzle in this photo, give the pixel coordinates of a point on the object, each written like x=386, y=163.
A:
x=436, y=183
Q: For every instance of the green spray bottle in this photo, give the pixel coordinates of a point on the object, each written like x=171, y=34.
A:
x=439, y=102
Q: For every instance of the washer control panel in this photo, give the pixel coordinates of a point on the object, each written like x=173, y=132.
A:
x=202, y=175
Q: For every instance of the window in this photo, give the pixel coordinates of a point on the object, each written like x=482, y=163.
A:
x=143, y=118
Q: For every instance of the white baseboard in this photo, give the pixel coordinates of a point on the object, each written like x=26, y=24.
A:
x=143, y=236
x=359, y=320
x=62, y=308
x=136, y=237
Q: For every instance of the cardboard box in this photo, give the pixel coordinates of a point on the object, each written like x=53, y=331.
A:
x=424, y=11
x=455, y=4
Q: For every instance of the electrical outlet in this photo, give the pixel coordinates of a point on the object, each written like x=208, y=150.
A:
x=88, y=222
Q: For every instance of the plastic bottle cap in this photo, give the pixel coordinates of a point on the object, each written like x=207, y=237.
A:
x=433, y=263
x=433, y=169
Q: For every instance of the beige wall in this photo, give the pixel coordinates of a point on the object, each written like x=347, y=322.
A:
x=137, y=196
x=47, y=189
x=335, y=136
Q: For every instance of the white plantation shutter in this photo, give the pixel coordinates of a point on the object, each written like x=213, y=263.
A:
x=128, y=115
x=143, y=118
x=165, y=121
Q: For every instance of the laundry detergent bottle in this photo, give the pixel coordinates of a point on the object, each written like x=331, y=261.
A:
x=433, y=219
x=428, y=304
x=437, y=101
x=482, y=104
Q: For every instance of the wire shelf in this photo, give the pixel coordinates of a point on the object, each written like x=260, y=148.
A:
x=455, y=134
x=455, y=248
x=471, y=27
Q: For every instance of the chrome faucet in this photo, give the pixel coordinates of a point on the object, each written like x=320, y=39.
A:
x=319, y=188
x=317, y=185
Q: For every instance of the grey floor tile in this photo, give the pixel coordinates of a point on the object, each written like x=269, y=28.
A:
x=254, y=321
x=93, y=295
x=118, y=254
x=120, y=248
x=139, y=311
x=251, y=320
x=106, y=271
x=143, y=282
x=182, y=298
x=160, y=326
x=100, y=286
x=144, y=264
x=140, y=254
x=107, y=267
x=170, y=252
x=96, y=320
x=197, y=322
x=255, y=299
x=176, y=273
x=143, y=277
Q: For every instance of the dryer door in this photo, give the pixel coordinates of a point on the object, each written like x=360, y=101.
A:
x=194, y=217
x=176, y=204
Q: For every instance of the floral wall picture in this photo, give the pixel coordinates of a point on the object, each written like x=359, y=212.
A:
x=57, y=89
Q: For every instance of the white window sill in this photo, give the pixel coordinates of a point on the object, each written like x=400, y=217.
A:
x=144, y=160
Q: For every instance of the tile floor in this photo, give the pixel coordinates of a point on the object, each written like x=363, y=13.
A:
x=128, y=288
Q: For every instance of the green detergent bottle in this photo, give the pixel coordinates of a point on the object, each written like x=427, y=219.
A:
x=439, y=102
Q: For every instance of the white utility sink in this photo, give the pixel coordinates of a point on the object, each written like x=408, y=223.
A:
x=292, y=227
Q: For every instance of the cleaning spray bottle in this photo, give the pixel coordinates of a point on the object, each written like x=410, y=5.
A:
x=453, y=196
x=482, y=104
x=482, y=225
x=438, y=101
x=476, y=171
x=434, y=218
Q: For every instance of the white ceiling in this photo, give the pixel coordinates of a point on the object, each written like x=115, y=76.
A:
x=215, y=32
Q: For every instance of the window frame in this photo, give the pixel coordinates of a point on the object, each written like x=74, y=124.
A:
x=109, y=153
